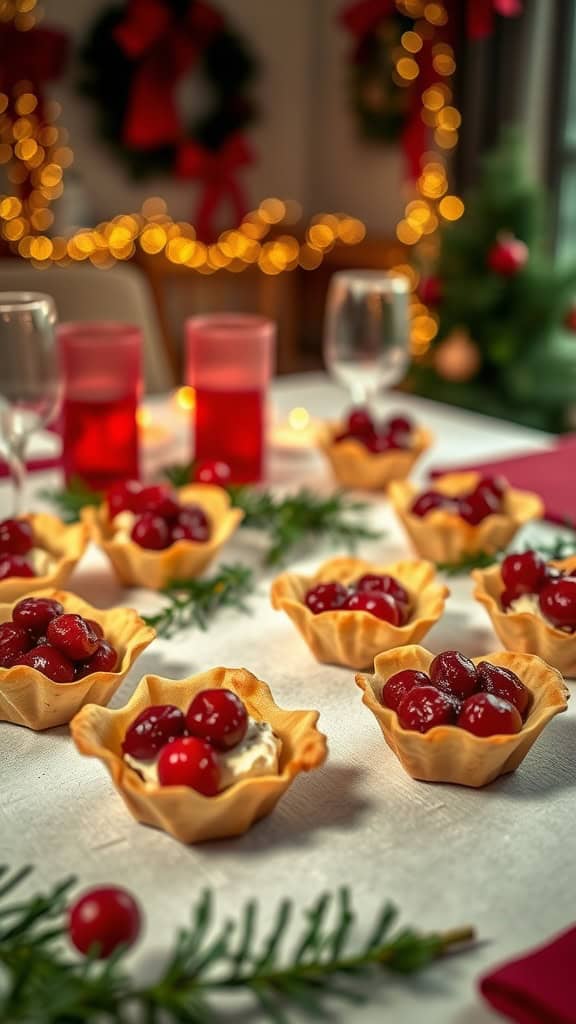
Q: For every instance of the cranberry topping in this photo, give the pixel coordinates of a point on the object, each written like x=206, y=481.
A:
x=325, y=597
x=476, y=506
x=427, y=502
x=34, y=613
x=102, y=920
x=190, y=762
x=484, y=714
x=14, y=641
x=151, y=532
x=424, y=707
x=213, y=471
x=523, y=573
x=558, y=602
x=16, y=537
x=379, y=444
x=504, y=683
x=153, y=729
x=72, y=635
x=381, y=605
x=159, y=500
x=14, y=565
x=123, y=497
x=399, y=425
x=219, y=717
x=398, y=685
x=454, y=673
x=360, y=423
x=373, y=583
x=50, y=662
x=495, y=484
x=104, y=659
x=96, y=627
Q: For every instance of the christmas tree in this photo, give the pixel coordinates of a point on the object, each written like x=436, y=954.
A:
x=503, y=306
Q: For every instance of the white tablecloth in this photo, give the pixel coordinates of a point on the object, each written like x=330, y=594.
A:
x=502, y=859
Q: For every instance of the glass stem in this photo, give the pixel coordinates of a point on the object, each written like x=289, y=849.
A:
x=18, y=474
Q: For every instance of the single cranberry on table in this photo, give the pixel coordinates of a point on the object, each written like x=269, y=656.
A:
x=213, y=471
x=398, y=685
x=151, y=532
x=104, y=659
x=382, y=606
x=484, y=714
x=153, y=729
x=14, y=565
x=50, y=662
x=34, y=613
x=424, y=707
x=557, y=601
x=190, y=762
x=16, y=537
x=504, y=683
x=103, y=919
x=219, y=717
x=14, y=641
x=122, y=497
x=454, y=673
x=73, y=636
x=325, y=597
x=523, y=573
x=159, y=500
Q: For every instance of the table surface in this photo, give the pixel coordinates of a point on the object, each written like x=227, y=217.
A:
x=500, y=859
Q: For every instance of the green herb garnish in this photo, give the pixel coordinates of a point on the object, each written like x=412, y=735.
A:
x=195, y=602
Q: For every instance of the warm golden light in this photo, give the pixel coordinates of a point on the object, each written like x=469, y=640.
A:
x=272, y=210
x=186, y=397
x=143, y=417
x=451, y=207
x=412, y=42
x=407, y=68
x=299, y=418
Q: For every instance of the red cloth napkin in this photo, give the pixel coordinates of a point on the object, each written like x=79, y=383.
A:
x=551, y=474
x=33, y=465
x=539, y=988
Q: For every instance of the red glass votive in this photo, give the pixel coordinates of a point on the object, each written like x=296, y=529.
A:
x=229, y=362
x=102, y=368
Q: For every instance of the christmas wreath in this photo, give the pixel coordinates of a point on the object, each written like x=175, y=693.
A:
x=135, y=62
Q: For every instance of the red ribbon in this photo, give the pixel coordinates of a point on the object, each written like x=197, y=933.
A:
x=217, y=170
x=481, y=15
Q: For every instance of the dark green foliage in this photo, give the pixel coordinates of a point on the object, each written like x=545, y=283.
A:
x=72, y=499
x=195, y=602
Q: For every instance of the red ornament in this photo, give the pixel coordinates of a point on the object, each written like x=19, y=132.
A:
x=430, y=291
x=507, y=256
x=103, y=919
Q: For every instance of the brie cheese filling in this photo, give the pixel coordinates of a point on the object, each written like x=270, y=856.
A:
x=526, y=603
x=257, y=754
x=41, y=561
x=122, y=524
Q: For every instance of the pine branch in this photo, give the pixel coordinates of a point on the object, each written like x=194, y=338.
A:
x=557, y=547
x=72, y=499
x=40, y=984
x=195, y=602
x=480, y=560
x=179, y=475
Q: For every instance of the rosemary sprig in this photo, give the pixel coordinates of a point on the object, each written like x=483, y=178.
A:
x=40, y=982
x=195, y=602
x=180, y=474
x=557, y=547
x=481, y=560
x=72, y=499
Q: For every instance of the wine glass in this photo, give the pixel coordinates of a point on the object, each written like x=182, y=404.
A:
x=366, y=331
x=30, y=380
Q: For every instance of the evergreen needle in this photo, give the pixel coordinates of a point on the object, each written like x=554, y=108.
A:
x=194, y=602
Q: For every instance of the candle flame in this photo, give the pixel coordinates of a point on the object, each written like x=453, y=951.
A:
x=299, y=418
x=186, y=397
x=143, y=417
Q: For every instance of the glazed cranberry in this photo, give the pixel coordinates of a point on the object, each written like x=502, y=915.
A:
x=159, y=500
x=484, y=714
x=381, y=605
x=49, y=662
x=427, y=502
x=504, y=684
x=454, y=673
x=14, y=641
x=151, y=532
x=72, y=635
x=506, y=598
x=398, y=439
x=190, y=529
x=325, y=597
x=219, y=717
x=104, y=659
x=423, y=707
x=379, y=444
x=123, y=497
x=373, y=583
x=557, y=601
x=102, y=920
x=476, y=506
x=190, y=762
x=398, y=685
x=360, y=423
x=153, y=729
x=96, y=627
x=495, y=485
x=16, y=537
x=524, y=573
x=552, y=572
x=14, y=565
x=213, y=471
x=399, y=425
x=34, y=613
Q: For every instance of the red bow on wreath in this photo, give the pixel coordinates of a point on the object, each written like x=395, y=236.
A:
x=166, y=47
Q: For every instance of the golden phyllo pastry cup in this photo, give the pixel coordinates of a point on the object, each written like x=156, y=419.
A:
x=356, y=468
x=444, y=537
x=354, y=638
x=138, y=567
x=526, y=631
x=182, y=812
x=448, y=753
x=63, y=545
x=29, y=698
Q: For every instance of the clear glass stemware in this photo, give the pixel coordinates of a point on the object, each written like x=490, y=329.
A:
x=30, y=381
x=366, y=331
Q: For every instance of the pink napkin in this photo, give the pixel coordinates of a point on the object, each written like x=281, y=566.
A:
x=539, y=988
x=551, y=474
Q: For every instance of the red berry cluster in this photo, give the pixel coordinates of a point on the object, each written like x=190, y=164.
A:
x=161, y=520
x=382, y=596
x=16, y=541
x=528, y=573
x=485, y=700
x=187, y=743
x=61, y=645
x=485, y=499
x=395, y=432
